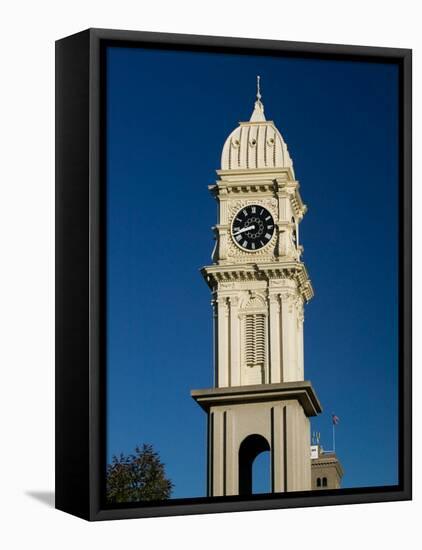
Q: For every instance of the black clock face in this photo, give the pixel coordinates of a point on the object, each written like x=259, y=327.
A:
x=252, y=227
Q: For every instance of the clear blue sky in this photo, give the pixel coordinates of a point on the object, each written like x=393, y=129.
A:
x=168, y=115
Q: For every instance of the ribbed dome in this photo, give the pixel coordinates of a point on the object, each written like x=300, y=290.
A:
x=255, y=144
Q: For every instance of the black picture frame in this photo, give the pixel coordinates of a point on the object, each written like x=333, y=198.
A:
x=80, y=274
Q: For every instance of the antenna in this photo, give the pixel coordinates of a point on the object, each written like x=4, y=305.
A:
x=316, y=436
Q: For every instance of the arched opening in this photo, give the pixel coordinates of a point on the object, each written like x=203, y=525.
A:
x=250, y=448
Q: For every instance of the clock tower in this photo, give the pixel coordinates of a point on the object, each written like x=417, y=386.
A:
x=259, y=285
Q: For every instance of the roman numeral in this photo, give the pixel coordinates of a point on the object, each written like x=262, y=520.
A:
x=245, y=213
x=253, y=246
x=268, y=218
x=245, y=244
x=267, y=236
x=253, y=209
x=239, y=238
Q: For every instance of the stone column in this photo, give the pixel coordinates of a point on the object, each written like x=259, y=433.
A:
x=277, y=450
x=214, y=306
x=297, y=447
x=222, y=243
x=274, y=339
x=223, y=367
x=217, y=449
x=232, y=459
x=300, y=361
x=234, y=348
x=289, y=337
x=284, y=336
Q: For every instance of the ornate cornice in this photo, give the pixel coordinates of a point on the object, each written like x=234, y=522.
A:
x=271, y=184
x=226, y=396
x=299, y=207
x=216, y=274
x=244, y=188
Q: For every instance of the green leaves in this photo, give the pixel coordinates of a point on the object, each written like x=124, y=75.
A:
x=137, y=477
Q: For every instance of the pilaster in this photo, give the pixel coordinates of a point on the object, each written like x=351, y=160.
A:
x=274, y=340
x=223, y=341
x=234, y=341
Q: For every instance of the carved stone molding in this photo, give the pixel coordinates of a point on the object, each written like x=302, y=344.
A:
x=226, y=286
x=300, y=312
x=233, y=301
x=243, y=188
x=292, y=275
x=267, y=202
x=254, y=303
x=220, y=305
x=288, y=298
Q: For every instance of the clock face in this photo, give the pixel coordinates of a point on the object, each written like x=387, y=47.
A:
x=252, y=227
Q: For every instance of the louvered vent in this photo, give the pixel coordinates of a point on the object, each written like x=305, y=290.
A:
x=255, y=339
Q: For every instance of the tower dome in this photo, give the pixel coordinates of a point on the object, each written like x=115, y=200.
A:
x=256, y=144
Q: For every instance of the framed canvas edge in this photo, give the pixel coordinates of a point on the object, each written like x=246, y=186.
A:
x=72, y=366
x=94, y=455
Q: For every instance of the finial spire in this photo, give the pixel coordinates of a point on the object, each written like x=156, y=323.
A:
x=258, y=112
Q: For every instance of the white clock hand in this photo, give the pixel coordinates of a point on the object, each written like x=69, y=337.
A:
x=243, y=230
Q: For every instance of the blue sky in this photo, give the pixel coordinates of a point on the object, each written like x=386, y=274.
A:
x=168, y=115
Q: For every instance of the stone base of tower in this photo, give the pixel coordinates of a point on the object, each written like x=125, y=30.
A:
x=246, y=420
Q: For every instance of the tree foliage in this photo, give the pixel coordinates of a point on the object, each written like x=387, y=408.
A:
x=137, y=477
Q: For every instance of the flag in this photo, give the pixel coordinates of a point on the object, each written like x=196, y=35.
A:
x=336, y=419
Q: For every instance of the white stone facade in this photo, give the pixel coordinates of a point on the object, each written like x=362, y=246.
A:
x=275, y=308
x=258, y=302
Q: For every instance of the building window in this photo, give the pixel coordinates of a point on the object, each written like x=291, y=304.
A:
x=324, y=482
x=318, y=482
x=255, y=340
x=254, y=348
